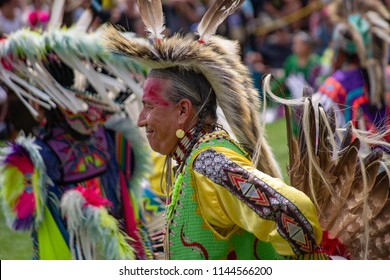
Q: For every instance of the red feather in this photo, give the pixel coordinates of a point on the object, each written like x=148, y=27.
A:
x=92, y=197
x=25, y=205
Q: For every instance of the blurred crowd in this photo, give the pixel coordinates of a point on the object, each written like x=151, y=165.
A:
x=289, y=38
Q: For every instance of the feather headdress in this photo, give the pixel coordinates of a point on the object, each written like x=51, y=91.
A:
x=55, y=68
x=217, y=59
x=67, y=68
x=362, y=27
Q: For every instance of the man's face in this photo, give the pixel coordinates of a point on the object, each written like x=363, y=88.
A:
x=299, y=47
x=159, y=117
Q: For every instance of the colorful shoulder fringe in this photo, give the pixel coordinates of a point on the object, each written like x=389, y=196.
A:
x=23, y=182
x=93, y=232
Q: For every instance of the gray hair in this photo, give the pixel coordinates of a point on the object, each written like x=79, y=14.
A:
x=193, y=86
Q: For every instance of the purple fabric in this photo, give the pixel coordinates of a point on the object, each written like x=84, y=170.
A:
x=349, y=79
x=71, y=155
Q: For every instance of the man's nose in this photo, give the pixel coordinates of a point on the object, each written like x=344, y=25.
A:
x=141, y=119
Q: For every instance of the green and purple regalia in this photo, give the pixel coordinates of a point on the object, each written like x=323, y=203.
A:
x=223, y=208
x=77, y=195
x=78, y=184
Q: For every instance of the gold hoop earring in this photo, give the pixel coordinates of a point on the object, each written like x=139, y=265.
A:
x=180, y=133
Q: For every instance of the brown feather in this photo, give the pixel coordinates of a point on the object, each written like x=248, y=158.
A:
x=378, y=195
x=215, y=15
x=296, y=179
x=292, y=151
x=381, y=223
x=347, y=138
x=380, y=248
x=356, y=195
x=324, y=148
x=344, y=174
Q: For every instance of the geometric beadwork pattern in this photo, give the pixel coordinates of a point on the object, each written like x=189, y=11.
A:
x=291, y=224
x=80, y=160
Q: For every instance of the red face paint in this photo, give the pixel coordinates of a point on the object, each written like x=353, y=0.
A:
x=154, y=90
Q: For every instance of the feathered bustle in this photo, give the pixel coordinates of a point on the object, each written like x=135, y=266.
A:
x=351, y=193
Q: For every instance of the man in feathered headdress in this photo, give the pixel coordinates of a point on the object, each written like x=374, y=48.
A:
x=222, y=205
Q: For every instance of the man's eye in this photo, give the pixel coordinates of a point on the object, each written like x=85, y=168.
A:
x=148, y=106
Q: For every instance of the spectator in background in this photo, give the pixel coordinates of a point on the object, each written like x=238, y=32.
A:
x=126, y=15
x=236, y=26
x=255, y=62
x=302, y=66
x=276, y=9
x=356, y=89
x=320, y=28
x=181, y=15
x=37, y=14
x=11, y=18
x=275, y=48
x=258, y=6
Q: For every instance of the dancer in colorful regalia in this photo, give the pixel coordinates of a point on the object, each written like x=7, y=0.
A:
x=357, y=86
x=340, y=157
x=77, y=184
x=219, y=205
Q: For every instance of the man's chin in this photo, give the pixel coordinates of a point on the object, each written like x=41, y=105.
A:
x=158, y=149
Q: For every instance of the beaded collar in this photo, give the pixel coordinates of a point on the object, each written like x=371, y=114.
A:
x=184, y=145
x=188, y=142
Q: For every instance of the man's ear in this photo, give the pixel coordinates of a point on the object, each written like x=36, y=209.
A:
x=185, y=109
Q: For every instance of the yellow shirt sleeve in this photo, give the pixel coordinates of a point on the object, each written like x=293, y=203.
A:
x=224, y=211
x=157, y=182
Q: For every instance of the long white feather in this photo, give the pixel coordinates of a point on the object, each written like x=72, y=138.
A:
x=84, y=21
x=377, y=20
x=34, y=90
x=381, y=33
x=56, y=90
x=8, y=82
x=152, y=16
x=131, y=83
x=56, y=14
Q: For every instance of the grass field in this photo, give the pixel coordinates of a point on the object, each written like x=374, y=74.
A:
x=14, y=245
x=17, y=246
